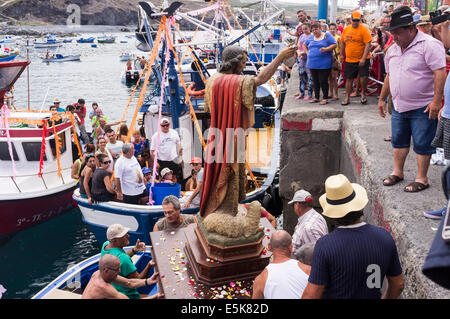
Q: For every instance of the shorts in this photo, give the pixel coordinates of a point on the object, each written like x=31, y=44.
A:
x=442, y=138
x=351, y=70
x=134, y=199
x=413, y=124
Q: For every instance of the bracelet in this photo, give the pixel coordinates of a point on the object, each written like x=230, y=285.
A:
x=146, y=284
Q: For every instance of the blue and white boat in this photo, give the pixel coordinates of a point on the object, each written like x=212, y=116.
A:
x=50, y=42
x=71, y=284
x=10, y=39
x=7, y=54
x=62, y=58
x=86, y=40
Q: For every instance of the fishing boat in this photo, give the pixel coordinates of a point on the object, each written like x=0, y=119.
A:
x=8, y=54
x=71, y=283
x=10, y=39
x=86, y=40
x=262, y=157
x=50, y=42
x=67, y=40
x=62, y=58
x=124, y=57
x=35, y=177
x=106, y=39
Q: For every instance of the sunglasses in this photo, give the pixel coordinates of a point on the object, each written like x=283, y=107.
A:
x=107, y=162
x=164, y=125
x=195, y=164
x=355, y=20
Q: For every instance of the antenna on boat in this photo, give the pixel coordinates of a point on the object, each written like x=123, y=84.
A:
x=28, y=73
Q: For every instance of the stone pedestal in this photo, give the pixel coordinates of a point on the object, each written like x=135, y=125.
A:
x=235, y=259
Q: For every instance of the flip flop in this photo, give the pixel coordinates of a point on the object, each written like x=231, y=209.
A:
x=387, y=139
x=392, y=180
x=363, y=100
x=416, y=187
x=323, y=102
x=314, y=101
x=345, y=102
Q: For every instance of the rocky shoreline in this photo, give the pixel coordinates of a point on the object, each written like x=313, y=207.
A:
x=62, y=30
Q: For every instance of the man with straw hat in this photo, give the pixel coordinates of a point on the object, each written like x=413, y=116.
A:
x=352, y=261
x=424, y=24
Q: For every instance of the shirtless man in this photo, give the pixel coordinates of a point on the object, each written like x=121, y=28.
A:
x=99, y=286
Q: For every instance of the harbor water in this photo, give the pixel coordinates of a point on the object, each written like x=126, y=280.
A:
x=37, y=255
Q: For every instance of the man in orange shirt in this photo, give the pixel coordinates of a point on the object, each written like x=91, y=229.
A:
x=355, y=48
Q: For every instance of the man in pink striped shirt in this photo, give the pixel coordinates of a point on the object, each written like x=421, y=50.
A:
x=310, y=226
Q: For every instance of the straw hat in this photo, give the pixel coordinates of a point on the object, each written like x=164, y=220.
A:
x=56, y=101
x=342, y=197
x=424, y=20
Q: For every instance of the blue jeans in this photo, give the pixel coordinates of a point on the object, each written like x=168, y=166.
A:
x=413, y=124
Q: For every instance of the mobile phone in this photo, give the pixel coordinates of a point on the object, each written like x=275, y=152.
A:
x=446, y=226
x=289, y=41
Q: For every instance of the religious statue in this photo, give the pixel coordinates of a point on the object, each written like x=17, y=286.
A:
x=229, y=97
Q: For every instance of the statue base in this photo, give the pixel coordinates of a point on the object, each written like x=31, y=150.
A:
x=239, y=259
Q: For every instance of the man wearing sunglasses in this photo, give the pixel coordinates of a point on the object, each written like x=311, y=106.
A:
x=355, y=48
x=169, y=149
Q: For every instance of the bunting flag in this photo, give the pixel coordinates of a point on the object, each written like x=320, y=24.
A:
x=41, y=159
x=4, y=124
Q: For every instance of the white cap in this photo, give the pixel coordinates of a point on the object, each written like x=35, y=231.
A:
x=301, y=196
x=164, y=121
x=165, y=171
x=116, y=231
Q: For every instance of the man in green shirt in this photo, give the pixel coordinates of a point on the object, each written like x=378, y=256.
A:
x=118, y=238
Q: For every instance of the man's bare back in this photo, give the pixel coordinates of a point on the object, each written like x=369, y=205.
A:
x=97, y=288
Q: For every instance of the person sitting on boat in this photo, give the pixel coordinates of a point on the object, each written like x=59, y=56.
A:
x=167, y=176
x=56, y=119
x=129, y=178
x=196, y=163
x=87, y=171
x=173, y=219
x=102, y=189
x=191, y=182
x=114, y=146
x=117, y=238
x=100, y=287
x=101, y=149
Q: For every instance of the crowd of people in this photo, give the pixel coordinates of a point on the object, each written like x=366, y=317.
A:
x=111, y=168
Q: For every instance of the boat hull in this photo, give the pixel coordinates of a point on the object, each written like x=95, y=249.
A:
x=8, y=58
x=20, y=214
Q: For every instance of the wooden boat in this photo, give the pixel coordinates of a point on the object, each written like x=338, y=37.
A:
x=62, y=58
x=71, y=283
x=106, y=39
x=26, y=197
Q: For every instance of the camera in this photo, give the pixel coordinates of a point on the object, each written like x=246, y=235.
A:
x=437, y=17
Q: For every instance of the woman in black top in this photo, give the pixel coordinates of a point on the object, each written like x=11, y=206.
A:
x=102, y=190
x=87, y=170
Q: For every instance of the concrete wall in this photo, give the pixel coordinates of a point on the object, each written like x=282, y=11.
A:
x=319, y=141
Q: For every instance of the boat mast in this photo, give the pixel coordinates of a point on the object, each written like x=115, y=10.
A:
x=28, y=73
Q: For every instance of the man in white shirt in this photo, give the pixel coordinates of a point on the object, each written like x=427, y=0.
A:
x=283, y=278
x=169, y=150
x=310, y=226
x=114, y=146
x=129, y=178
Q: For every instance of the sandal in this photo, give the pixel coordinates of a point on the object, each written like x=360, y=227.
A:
x=354, y=94
x=416, y=187
x=392, y=180
x=363, y=100
x=387, y=139
x=323, y=102
x=345, y=102
x=314, y=101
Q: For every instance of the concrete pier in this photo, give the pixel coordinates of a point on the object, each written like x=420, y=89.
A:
x=318, y=141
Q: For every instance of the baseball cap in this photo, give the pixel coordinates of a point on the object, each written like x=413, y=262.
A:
x=116, y=231
x=164, y=121
x=356, y=15
x=165, y=171
x=146, y=170
x=196, y=160
x=301, y=196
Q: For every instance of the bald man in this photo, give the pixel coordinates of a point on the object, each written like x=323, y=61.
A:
x=284, y=278
x=99, y=286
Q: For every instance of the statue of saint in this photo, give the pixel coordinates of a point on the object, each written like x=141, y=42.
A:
x=230, y=97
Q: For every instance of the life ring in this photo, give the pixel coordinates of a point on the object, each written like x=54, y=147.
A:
x=192, y=92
